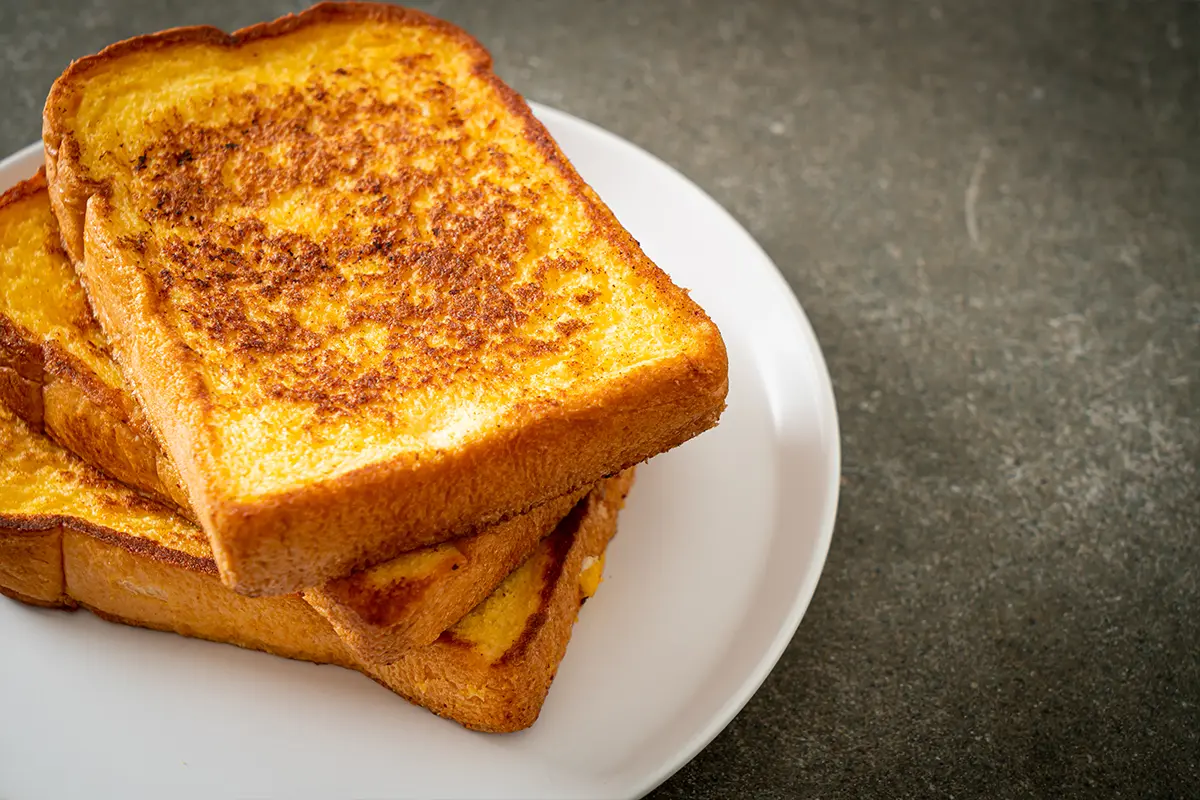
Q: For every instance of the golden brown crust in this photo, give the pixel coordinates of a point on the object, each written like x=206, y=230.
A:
x=592, y=524
x=137, y=545
x=19, y=351
x=127, y=587
x=105, y=428
x=633, y=425
x=61, y=365
x=378, y=621
x=31, y=567
x=21, y=361
x=24, y=189
x=280, y=542
x=381, y=618
x=76, y=565
x=21, y=395
x=13, y=594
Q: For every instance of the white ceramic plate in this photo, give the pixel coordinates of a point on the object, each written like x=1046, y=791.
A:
x=719, y=552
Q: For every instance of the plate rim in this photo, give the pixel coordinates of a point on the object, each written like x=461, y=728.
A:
x=805, y=588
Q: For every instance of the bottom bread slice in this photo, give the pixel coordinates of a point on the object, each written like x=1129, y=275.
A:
x=69, y=537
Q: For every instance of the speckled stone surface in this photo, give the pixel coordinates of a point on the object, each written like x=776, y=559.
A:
x=991, y=212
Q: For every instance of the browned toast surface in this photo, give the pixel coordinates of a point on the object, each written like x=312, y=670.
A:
x=43, y=487
x=68, y=383
x=408, y=601
x=365, y=299
x=380, y=611
x=70, y=536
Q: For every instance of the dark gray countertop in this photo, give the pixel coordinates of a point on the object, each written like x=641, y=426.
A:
x=991, y=212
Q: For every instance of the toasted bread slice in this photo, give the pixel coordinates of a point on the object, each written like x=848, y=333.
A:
x=366, y=302
x=384, y=610
x=70, y=536
x=66, y=376
x=49, y=339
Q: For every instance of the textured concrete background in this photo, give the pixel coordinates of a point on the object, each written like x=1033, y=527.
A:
x=991, y=212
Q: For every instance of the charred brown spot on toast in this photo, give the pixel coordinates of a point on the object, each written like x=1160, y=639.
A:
x=587, y=298
x=561, y=542
x=124, y=502
x=381, y=602
x=379, y=606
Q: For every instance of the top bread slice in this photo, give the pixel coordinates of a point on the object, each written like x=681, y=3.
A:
x=364, y=300
x=60, y=379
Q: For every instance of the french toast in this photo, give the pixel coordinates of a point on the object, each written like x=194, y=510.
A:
x=69, y=384
x=72, y=537
x=382, y=611
x=364, y=300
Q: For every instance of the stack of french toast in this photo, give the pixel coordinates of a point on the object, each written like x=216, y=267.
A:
x=312, y=341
